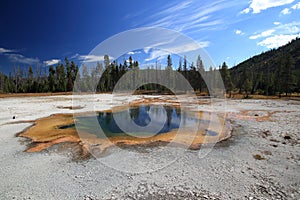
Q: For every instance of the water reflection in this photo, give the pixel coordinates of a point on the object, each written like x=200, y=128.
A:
x=144, y=119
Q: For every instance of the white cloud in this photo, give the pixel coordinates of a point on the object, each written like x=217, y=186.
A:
x=296, y=6
x=259, y=5
x=157, y=54
x=279, y=35
x=3, y=50
x=239, y=32
x=134, y=52
x=285, y=11
x=289, y=28
x=245, y=11
x=277, y=40
x=92, y=58
x=262, y=34
x=18, y=58
x=52, y=62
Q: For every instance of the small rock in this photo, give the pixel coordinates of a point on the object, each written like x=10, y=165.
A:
x=274, y=140
x=265, y=134
x=287, y=137
x=258, y=157
x=269, y=153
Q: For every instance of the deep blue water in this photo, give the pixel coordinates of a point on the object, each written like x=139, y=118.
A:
x=141, y=120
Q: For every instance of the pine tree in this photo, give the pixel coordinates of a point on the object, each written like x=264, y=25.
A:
x=201, y=74
x=60, y=78
x=51, y=79
x=194, y=77
x=185, y=67
x=247, y=87
x=107, y=73
x=98, y=77
x=225, y=74
x=288, y=77
x=30, y=80
x=170, y=78
x=69, y=75
x=180, y=65
x=136, y=74
x=85, y=80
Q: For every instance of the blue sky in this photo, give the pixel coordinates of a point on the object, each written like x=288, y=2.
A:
x=45, y=32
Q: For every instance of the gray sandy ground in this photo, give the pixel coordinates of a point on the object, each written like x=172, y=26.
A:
x=228, y=171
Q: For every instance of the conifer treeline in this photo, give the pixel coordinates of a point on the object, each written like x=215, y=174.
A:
x=35, y=80
x=264, y=74
x=61, y=78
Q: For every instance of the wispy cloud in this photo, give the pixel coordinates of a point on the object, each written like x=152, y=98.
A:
x=262, y=34
x=51, y=62
x=175, y=8
x=90, y=58
x=256, y=6
x=159, y=54
x=4, y=50
x=134, y=52
x=18, y=58
x=75, y=56
x=189, y=16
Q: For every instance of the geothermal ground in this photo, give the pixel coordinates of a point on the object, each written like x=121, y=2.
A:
x=261, y=160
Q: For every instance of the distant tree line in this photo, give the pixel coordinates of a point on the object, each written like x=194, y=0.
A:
x=35, y=80
x=61, y=78
x=276, y=72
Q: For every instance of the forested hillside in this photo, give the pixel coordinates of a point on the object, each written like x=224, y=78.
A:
x=274, y=72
